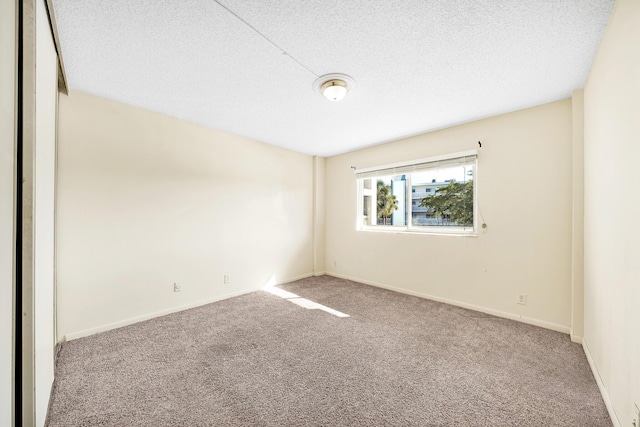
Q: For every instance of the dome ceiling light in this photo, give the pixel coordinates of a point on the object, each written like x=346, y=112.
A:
x=334, y=90
x=334, y=86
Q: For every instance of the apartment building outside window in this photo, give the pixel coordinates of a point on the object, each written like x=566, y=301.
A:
x=433, y=195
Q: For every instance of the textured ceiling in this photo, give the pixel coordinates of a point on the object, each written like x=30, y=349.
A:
x=248, y=66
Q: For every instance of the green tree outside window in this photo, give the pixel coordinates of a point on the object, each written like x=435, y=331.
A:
x=453, y=202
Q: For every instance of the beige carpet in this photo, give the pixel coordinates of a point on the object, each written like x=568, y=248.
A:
x=260, y=360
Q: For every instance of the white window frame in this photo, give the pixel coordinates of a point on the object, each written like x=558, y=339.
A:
x=407, y=168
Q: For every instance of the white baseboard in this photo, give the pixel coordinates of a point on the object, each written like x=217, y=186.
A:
x=319, y=273
x=293, y=279
x=531, y=321
x=147, y=316
x=576, y=339
x=603, y=390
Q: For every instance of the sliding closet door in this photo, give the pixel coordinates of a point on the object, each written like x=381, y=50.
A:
x=40, y=94
x=8, y=51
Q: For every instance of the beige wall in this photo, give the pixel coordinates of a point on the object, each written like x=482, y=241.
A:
x=145, y=200
x=524, y=192
x=612, y=209
x=7, y=203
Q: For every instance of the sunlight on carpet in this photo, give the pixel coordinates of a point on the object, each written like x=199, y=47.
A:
x=299, y=301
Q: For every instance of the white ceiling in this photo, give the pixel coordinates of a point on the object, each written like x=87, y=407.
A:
x=248, y=66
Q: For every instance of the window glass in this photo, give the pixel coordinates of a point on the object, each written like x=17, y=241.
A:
x=432, y=196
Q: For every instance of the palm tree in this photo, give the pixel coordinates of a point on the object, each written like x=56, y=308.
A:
x=386, y=201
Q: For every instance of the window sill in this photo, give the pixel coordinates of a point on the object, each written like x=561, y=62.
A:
x=420, y=232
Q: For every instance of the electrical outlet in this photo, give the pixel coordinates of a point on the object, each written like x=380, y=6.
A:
x=227, y=279
x=522, y=299
x=176, y=287
x=636, y=416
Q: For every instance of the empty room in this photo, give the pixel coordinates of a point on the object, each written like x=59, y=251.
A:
x=322, y=213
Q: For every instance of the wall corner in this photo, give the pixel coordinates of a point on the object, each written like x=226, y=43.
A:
x=318, y=215
x=577, y=220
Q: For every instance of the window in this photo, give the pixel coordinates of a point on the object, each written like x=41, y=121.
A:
x=436, y=195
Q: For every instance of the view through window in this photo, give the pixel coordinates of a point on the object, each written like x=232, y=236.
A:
x=430, y=195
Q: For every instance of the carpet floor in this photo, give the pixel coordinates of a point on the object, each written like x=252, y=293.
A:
x=260, y=360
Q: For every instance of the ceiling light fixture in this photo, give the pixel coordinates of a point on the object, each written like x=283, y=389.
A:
x=334, y=86
x=334, y=90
